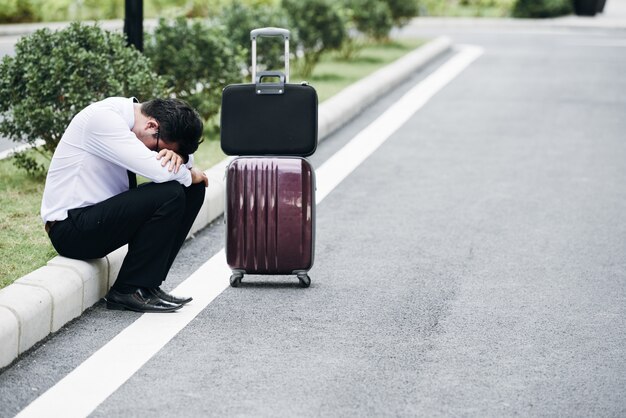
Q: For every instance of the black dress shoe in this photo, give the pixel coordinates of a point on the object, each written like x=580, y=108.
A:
x=156, y=291
x=140, y=301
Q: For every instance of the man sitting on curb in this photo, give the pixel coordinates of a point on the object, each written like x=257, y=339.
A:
x=91, y=205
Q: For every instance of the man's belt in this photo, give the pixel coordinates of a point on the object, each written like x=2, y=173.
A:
x=49, y=226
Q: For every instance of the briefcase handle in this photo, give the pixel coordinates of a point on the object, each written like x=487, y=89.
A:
x=255, y=33
x=270, y=88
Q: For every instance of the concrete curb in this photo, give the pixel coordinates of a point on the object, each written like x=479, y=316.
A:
x=43, y=301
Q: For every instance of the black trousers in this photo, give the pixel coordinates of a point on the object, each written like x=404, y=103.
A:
x=153, y=219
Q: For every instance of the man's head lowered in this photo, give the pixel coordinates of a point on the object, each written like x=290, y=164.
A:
x=172, y=122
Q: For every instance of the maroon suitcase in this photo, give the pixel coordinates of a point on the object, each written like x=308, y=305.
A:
x=270, y=217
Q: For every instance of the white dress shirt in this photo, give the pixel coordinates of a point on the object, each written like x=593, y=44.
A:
x=91, y=161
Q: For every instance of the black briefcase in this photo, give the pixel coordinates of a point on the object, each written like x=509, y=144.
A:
x=270, y=116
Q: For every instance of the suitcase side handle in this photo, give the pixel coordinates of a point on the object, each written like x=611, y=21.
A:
x=284, y=33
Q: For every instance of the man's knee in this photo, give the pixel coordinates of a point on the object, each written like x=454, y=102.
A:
x=195, y=197
x=196, y=192
x=173, y=195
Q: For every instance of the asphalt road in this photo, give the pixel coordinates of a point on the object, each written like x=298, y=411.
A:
x=474, y=265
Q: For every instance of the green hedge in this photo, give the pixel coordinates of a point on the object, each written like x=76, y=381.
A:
x=196, y=60
x=53, y=75
x=373, y=18
x=542, y=8
x=402, y=10
x=239, y=19
x=320, y=27
x=18, y=11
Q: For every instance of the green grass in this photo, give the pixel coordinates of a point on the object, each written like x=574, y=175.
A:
x=468, y=8
x=24, y=245
x=209, y=153
x=333, y=74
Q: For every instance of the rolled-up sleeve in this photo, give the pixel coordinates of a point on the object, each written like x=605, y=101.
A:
x=189, y=163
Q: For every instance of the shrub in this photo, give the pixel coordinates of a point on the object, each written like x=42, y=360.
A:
x=198, y=8
x=320, y=27
x=402, y=10
x=542, y=8
x=53, y=75
x=196, y=60
x=101, y=9
x=240, y=19
x=364, y=19
x=70, y=10
x=18, y=11
x=464, y=8
x=371, y=17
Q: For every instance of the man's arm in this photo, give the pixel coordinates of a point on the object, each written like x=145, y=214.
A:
x=108, y=136
x=198, y=176
x=174, y=161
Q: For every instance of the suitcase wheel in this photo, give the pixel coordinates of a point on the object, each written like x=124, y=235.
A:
x=305, y=280
x=235, y=279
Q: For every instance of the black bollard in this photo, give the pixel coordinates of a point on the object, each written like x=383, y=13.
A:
x=133, y=23
x=586, y=7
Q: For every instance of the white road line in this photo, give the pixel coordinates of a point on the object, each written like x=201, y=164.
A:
x=81, y=391
x=341, y=164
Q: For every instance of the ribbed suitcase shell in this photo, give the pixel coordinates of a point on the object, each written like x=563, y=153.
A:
x=270, y=219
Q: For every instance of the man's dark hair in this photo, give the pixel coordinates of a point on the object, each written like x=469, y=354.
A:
x=178, y=122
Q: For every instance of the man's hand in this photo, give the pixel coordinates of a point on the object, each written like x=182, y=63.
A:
x=198, y=176
x=170, y=157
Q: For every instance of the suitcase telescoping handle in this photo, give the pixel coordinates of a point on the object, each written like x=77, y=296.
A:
x=255, y=33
